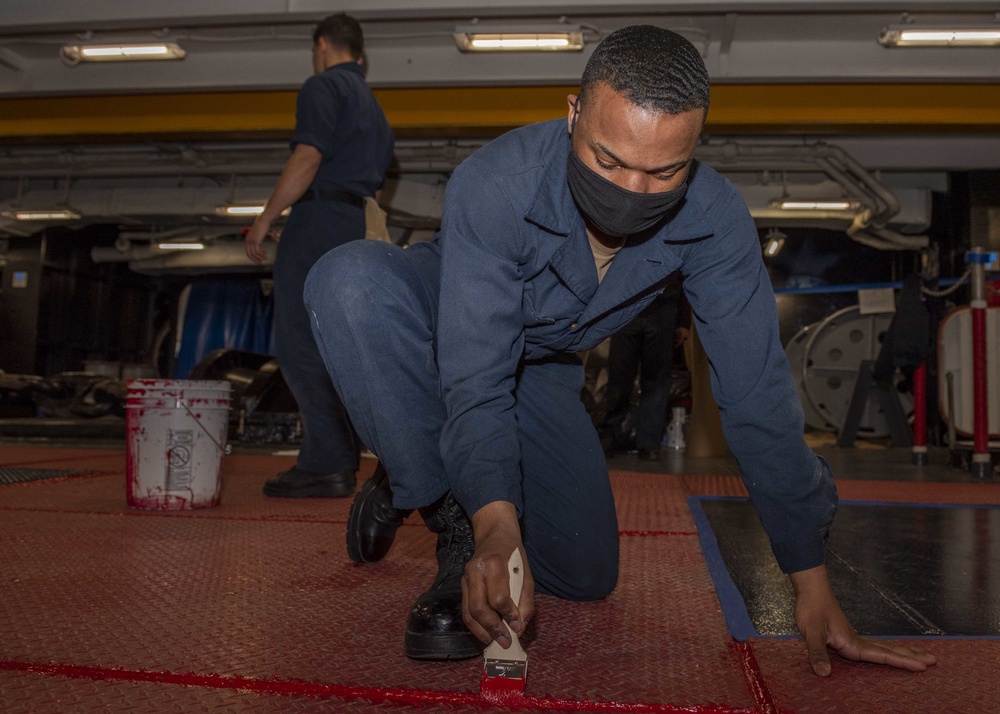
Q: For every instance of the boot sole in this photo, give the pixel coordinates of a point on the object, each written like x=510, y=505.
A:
x=454, y=646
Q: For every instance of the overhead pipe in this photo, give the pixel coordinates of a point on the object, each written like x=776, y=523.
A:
x=869, y=226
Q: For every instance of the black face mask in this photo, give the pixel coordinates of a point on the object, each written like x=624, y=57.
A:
x=613, y=210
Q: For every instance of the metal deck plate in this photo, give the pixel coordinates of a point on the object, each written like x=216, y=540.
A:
x=17, y=475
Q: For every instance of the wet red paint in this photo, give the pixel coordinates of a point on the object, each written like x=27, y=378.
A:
x=133, y=431
x=754, y=678
x=320, y=690
x=503, y=691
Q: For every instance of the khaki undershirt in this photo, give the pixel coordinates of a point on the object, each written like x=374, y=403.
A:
x=602, y=255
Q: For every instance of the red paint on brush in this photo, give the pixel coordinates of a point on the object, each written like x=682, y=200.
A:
x=502, y=691
x=318, y=690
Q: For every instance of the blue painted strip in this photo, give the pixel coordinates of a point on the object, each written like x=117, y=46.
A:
x=734, y=609
x=923, y=505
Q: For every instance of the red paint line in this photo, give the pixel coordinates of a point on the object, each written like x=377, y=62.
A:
x=319, y=690
x=754, y=678
x=263, y=519
x=176, y=514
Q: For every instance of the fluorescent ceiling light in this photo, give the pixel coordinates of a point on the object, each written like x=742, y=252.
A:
x=48, y=214
x=123, y=52
x=249, y=209
x=775, y=242
x=486, y=38
x=916, y=36
x=181, y=246
x=796, y=205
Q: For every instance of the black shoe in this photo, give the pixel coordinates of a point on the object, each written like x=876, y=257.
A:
x=295, y=483
x=373, y=520
x=435, y=629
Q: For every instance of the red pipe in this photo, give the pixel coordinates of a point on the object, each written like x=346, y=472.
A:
x=980, y=423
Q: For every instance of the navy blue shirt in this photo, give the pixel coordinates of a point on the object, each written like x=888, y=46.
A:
x=337, y=114
x=518, y=282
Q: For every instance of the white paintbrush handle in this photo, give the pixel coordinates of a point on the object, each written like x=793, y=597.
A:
x=515, y=573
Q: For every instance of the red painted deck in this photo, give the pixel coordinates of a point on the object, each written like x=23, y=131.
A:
x=253, y=606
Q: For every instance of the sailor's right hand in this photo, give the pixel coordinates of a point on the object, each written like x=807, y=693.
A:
x=486, y=600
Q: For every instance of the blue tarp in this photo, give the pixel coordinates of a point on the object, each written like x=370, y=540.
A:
x=230, y=313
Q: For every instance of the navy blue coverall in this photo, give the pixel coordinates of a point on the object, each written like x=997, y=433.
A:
x=457, y=358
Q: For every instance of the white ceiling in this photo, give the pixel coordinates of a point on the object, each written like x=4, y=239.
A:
x=264, y=44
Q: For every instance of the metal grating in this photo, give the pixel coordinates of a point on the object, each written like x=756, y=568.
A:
x=12, y=475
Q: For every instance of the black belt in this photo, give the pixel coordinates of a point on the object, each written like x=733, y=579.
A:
x=332, y=194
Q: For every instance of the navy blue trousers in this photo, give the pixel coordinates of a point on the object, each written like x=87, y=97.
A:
x=374, y=310
x=313, y=228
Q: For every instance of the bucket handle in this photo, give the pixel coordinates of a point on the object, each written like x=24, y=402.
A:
x=227, y=450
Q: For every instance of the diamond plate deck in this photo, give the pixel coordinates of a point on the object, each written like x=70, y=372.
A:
x=9, y=475
x=253, y=606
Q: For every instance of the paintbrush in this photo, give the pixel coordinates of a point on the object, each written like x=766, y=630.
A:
x=505, y=670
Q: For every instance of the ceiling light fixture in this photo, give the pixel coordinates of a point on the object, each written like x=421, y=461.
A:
x=240, y=210
x=497, y=38
x=181, y=246
x=243, y=210
x=786, y=204
x=45, y=214
x=943, y=36
x=126, y=52
x=775, y=242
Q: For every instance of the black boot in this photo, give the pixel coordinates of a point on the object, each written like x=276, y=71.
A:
x=373, y=520
x=435, y=629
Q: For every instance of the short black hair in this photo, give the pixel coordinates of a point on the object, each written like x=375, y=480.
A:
x=653, y=67
x=343, y=31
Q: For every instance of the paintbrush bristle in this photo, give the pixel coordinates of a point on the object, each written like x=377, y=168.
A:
x=503, y=680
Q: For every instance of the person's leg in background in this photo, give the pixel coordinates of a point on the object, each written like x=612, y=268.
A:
x=623, y=364
x=657, y=324
x=328, y=457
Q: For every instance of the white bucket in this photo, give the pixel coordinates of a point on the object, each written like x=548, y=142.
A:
x=176, y=436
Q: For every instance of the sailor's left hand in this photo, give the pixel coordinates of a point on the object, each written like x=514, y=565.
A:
x=824, y=627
